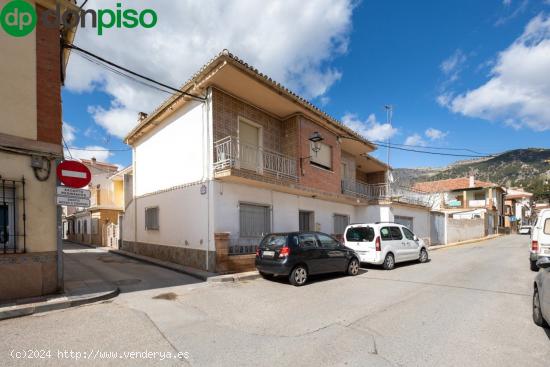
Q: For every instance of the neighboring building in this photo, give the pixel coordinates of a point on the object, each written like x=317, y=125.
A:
x=98, y=224
x=31, y=70
x=465, y=198
x=517, y=208
x=213, y=173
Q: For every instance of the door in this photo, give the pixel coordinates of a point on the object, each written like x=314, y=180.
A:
x=334, y=255
x=311, y=253
x=249, y=146
x=412, y=247
x=398, y=243
x=306, y=221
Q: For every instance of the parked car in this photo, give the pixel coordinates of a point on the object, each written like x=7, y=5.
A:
x=541, y=293
x=540, y=239
x=385, y=244
x=297, y=255
x=524, y=229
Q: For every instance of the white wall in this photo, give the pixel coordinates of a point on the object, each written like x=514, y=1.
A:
x=421, y=219
x=183, y=219
x=285, y=208
x=175, y=154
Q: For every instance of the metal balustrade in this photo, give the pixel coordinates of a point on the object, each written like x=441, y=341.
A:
x=386, y=191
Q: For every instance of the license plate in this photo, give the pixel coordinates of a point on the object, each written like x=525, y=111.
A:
x=268, y=254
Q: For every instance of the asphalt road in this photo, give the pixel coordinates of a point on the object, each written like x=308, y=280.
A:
x=469, y=306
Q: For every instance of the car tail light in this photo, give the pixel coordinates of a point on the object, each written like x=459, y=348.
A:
x=534, y=245
x=257, y=251
x=378, y=244
x=284, y=252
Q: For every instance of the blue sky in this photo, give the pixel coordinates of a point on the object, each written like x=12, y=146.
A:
x=460, y=74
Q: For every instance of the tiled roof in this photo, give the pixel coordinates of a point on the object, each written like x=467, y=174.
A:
x=451, y=185
x=225, y=54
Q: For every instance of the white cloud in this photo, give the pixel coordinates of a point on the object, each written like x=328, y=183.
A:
x=69, y=133
x=452, y=66
x=93, y=151
x=416, y=140
x=435, y=134
x=370, y=128
x=517, y=11
x=518, y=92
x=291, y=41
x=506, y=2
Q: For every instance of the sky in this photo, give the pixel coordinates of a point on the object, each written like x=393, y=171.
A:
x=464, y=77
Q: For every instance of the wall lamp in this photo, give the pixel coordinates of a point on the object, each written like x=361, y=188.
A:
x=316, y=138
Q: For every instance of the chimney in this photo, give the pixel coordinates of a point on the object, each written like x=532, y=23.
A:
x=94, y=160
x=472, y=180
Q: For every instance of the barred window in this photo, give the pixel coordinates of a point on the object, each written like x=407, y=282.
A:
x=340, y=223
x=152, y=218
x=255, y=220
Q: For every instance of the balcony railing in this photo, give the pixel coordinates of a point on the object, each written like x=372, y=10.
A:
x=229, y=152
x=386, y=191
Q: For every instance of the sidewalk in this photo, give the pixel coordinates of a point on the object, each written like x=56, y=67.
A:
x=454, y=244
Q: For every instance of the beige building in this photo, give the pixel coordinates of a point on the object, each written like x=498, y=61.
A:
x=30, y=142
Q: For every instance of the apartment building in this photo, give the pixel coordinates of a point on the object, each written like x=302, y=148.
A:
x=31, y=68
x=238, y=155
x=98, y=224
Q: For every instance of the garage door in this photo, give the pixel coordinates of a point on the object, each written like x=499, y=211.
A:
x=406, y=221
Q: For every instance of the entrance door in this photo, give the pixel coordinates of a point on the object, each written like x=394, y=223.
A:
x=249, y=146
x=306, y=221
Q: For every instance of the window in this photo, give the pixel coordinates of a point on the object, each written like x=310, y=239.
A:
x=306, y=221
x=408, y=234
x=340, y=223
x=273, y=241
x=254, y=220
x=4, y=224
x=95, y=225
x=360, y=234
x=479, y=196
x=385, y=234
x=78, y=227
x=396, y=233
x=152, y=218
x=323, y=157
x=547, y=226
x=308, y=241
x=85, y=226
x=327, y=242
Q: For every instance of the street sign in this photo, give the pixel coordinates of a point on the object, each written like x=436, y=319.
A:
x=73, y=174
x=70, y=201
x=70, y=192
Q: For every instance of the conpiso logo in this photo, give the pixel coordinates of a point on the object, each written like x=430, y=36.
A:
x=18, y=18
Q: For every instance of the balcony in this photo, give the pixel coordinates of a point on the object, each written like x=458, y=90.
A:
x=384, y=191
x=105, y=198
x=229, y=153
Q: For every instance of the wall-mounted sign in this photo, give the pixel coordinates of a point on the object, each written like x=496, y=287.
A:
x=203, y=190
x=70, y=201
x=73, y=197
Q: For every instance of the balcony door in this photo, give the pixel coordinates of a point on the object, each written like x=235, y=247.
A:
x=250, y=143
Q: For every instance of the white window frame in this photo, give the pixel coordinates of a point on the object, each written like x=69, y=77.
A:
x=314, y=158
x=149, y=226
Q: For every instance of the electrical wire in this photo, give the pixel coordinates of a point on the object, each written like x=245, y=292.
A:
x=66, y=147
x=100, y=150
x=433, y=153
x=114, y=65
x=430, y=147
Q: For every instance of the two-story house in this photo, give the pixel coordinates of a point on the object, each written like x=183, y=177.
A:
x=517, y=207
x=95, y=225
x=237, y=155
x=31, y=73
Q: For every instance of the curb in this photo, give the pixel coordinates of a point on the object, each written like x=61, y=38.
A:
x=237, y=277
x=456, y=244
x=199, y=274
x=58, y=303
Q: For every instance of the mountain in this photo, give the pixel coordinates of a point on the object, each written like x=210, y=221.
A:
x=528, y=168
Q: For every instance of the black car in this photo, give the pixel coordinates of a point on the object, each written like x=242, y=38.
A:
x=300, y=254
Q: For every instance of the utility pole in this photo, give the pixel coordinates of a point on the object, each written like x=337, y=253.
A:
x=389, y=112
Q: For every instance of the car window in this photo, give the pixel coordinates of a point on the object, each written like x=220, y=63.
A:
x=326, y=241
x=408, y=234
x=273, y=241
x=385, y=234
x=547, y=226
x=308, y=241
x=360, y=234
x=396, y=233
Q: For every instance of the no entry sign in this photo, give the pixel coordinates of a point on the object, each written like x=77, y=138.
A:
x=73, y=174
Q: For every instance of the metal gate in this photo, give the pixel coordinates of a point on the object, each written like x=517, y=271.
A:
x=12, y=216
x=437, y=228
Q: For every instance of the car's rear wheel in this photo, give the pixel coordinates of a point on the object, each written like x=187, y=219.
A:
x=298, y=276
x=389, y=262
x=353, y=267
x=534, y=266
x=537, y=312
x=423, y=256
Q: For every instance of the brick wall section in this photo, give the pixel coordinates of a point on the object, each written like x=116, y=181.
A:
x=48, y=82
x=372, y=178
x=310, y=175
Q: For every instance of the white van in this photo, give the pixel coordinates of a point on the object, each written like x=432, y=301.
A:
x=385, y=244
x=540, y=239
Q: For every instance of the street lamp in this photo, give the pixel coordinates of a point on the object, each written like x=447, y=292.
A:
x=316, y=139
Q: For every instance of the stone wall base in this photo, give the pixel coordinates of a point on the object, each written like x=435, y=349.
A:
x=27, y=275
x=178, y=255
